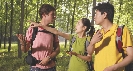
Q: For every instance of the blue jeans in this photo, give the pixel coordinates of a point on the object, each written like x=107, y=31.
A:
x=38, y=69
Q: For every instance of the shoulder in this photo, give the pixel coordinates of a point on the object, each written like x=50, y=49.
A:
x=124, y=28
x=72, y=36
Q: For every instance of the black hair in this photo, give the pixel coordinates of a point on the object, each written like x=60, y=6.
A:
x=108, y=8
x=91, y=29
x=46, y=8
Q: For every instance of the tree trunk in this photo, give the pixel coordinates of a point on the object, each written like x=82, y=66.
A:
x=0, y=34
x=68, y=18
x=67, y=30
x=55, y=4
x=93, y=12
x=73, y=16
x=37, y=12
x=87, y=2
x=6, y=9
x=10, y=37
x=21, y=26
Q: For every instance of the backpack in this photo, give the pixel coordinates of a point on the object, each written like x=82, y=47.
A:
x=119, y=45
x=30, y=60
x=86, y=44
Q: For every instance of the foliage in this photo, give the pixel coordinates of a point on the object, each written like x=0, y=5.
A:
x=64, y=12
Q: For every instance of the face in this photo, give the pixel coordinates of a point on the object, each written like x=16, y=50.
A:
x=99, y=18
x=79, y=27
x=50, y=17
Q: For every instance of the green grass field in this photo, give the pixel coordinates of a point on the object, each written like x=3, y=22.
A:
x=9, y=61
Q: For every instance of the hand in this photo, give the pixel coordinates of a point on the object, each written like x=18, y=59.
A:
x=34, y=24
x=21, y=38
x=111, y=68
x=97, y=37
x=74, y=53
x=44, y=61
x=71, y=53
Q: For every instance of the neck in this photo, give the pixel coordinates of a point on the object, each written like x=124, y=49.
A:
x=81, y=35
x=106, y=25
x=44, y=22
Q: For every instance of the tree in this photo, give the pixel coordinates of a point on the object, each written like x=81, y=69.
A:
x=21, y=25
x=10, y=36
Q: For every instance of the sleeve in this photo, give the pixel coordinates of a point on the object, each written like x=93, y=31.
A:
x=29, y=34
x=126, y=38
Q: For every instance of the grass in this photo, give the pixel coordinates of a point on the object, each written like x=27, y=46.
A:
x=9, y=61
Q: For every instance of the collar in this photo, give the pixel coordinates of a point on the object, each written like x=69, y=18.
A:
x=111, y=30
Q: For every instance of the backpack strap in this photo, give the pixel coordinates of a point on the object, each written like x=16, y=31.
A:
x=119, y=43
x=35, y=30
x=71, y=43
x=90, y=63
x=86, y=45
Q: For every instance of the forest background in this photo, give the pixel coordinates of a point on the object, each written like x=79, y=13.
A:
x=14, y=16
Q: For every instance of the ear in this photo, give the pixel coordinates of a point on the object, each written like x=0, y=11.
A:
x=44, y=15
x=105, y=15
x=85, y=27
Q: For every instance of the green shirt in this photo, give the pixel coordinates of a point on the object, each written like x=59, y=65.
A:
x=77, y=64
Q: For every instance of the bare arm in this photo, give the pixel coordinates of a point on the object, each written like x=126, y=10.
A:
x=86, y=58
x=128, y=59
x=57, y=50
x=55, y=31
x=52, y=30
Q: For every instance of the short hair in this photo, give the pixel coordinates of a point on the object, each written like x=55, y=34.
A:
x=46, y=8
x=106, y=7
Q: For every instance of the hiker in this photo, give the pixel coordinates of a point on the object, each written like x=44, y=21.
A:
x=78, y=60
x=42, y=48
x=103, y=42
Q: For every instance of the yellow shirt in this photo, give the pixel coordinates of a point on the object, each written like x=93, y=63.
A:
x=106, y=53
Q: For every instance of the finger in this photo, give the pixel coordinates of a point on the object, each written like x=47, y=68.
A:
x=98, y=31
x=101, y=36
x=23, y=38
x=40, y=63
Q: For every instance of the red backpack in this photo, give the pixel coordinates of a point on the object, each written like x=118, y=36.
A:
x=119, y=45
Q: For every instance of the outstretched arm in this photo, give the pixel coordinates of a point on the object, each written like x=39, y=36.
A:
x=52, y=30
